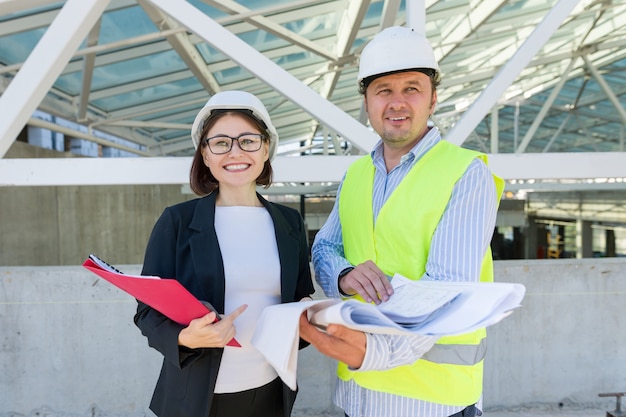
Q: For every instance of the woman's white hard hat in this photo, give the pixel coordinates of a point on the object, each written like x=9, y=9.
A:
x=235, y=100
x=396, y=49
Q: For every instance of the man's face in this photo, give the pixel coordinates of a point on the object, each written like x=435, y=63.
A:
x=399, y=105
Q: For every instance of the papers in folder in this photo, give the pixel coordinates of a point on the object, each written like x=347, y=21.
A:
x=167, y=296
x=429, y=308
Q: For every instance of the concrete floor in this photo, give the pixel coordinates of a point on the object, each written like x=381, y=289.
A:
x=527, y=413
x=548, y=413
x=564, y=412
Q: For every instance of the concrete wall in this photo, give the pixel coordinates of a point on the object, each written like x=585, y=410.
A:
x=62, y=225
x=568, y=341
x=68, y=345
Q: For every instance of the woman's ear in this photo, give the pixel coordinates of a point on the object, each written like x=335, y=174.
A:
x=204, y=151
x=266, y=148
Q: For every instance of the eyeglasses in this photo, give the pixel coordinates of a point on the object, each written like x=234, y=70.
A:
x=221, y=144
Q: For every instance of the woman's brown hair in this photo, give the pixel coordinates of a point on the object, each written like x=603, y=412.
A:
x=201, y=179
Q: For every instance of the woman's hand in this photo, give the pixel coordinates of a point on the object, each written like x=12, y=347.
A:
x=205, y=332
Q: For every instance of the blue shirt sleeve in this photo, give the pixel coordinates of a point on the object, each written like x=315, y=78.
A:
x=327, y=253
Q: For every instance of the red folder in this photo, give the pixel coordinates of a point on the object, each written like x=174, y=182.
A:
x=167, y=296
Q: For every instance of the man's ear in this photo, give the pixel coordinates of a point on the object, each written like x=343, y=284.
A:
x=433, y=102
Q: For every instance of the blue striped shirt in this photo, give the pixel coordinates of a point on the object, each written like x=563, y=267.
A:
x=456, y=252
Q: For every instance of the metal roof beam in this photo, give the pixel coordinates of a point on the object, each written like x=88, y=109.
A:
x=270, y=73
x=184, y=47
x=605, y=87
x=495, y=137
x=199, y=98
x=346, y=34
x=44, y=64
x=473, y=20
x=507, y=74
x=26, y=23
x=169, y=170
x=88, y=66
x=544, y=109
x=80, y=135
x=13, y=6
x=170, y=147
x=40, y=19
x=61, y=107
x=269, y=26
x=557, y=133
x=140, y=84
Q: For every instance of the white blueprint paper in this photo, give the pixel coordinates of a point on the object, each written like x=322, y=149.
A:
x=439, y=309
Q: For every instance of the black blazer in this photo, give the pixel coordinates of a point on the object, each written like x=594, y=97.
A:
x=183, y=245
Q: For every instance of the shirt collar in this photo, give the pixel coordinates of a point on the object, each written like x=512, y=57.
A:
x=416, y=152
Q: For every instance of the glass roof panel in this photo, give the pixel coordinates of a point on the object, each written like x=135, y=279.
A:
x=124, y=23
x=15, y=48
x=147, y=95
x=210, y=54
x=33, y=11
x=123, y=72
x=262, y=40
x=232, y=75
x=155, y=77
x=207, y=9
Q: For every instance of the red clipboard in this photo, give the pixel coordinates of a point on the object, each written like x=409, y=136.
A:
x=167, y=296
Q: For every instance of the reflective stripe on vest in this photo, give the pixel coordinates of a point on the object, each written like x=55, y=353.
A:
x=457, y=354
x=451, y=373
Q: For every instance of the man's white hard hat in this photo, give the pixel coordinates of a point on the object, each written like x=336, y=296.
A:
x=235, y=100
x=396, y=49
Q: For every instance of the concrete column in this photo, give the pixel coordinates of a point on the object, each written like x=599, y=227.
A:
x=532, y=237
x=518, y=243
x=584, y=239
x=610, y=243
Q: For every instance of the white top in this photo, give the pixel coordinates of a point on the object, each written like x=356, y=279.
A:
x=247, y=241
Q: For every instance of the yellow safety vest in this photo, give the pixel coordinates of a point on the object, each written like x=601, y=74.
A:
x=451, y=372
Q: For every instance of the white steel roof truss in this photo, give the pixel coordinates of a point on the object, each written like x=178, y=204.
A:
x=272, y=74
x=80, y=135
x=507, y=74
x=27, y=23
x=557, y=133
x=544, y=109
x=12, y=6
x=167, y=170
x=269, y=26
x=346, y=33
x=88, y=65
x=44, y=65
x=605, y=87
x=185, y=49
x=140, y=84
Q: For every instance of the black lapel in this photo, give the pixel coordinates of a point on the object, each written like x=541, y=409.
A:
x=288, y=251
x=206, y=254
